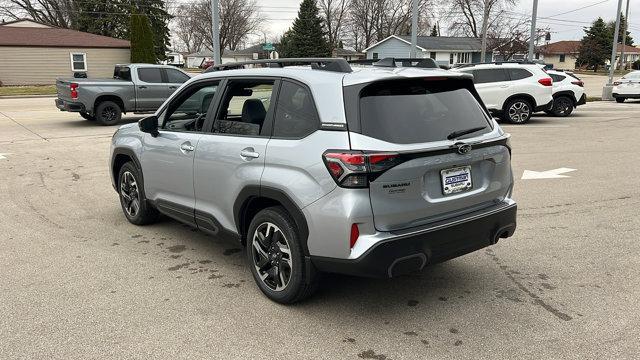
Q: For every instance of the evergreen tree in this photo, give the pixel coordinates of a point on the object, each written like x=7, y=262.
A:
x=141, y=37
x=623, y=25
x=434, y=31
x=158, y=19
x=596, y=45
x=307, y=37
x=284, y=47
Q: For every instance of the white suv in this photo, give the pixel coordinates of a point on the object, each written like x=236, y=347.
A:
x=568, y=93
x=627, y=87
x=512, y=90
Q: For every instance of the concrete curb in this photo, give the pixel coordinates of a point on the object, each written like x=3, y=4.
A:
x=26, y=96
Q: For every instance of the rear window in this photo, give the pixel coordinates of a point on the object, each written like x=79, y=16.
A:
x=122, y=73
x=419, y=111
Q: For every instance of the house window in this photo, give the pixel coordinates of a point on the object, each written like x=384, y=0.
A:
x=451, y=58
x=464, y=58
x=432, y=55
x=561, y=57
x=78, y=61
x=375, y=55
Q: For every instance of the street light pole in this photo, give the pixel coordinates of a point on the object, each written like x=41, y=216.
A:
x=414, y=29
x=614, y=51
x=534, y=15
x=215, y=31
x=485, y=26
x=624, y=35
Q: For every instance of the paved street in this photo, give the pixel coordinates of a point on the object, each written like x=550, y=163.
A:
x=78, y=281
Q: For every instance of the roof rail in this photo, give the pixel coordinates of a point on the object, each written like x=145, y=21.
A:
x=328, y=64
x=424, y=63
x=526, y=62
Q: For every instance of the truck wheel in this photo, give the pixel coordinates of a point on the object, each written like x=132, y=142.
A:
x=275, y=257
x=620, y=99
x=518, y=111
x=108, y=113
x=87, y=116
x=132, y=198
x=562, y=106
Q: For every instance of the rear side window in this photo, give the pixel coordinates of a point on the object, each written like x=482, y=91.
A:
x=519, y=74
x=150, y=75
x=482, y=76
x=296, y=115
x=556, y=78
x=419, y=111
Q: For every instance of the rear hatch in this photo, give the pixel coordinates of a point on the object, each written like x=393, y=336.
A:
x=63, y=88
x=435, y=153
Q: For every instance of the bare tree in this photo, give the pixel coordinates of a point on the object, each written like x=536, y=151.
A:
x=508, y=36
x=334, y=13
x=50, y=12
x=186, y=28
x=467, y=15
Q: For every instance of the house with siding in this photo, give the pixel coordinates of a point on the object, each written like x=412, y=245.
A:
x=36, y=54
x=445, y=50
x=560, y=54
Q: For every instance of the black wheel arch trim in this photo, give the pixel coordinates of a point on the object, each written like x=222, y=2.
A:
x=252, y=192
x=523, y=96
x=129, y=153
x=567, y=93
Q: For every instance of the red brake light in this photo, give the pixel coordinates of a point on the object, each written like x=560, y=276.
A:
x=616, y=83
x=546, y=81
x=355, y=233
x=352, y=168
x=579, y=83
x=74, y=90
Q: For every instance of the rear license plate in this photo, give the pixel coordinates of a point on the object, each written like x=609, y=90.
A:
x=456, y=180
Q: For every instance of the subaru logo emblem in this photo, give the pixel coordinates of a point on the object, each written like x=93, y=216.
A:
x=463, y=148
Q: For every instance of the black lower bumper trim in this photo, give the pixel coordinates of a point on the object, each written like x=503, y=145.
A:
x=544, y=107
x=583, y=100
x=409, y=253
x=63, y=105
x=627, y=96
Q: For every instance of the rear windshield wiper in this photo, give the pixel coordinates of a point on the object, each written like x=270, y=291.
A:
x=458, y=133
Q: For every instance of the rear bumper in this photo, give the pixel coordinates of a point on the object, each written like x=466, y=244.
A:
x=64, y=105
x=544, y=107
x=410, y=252
x=582, y=100
x=626, y=96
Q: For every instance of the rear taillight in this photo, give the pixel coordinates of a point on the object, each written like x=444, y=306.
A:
x=74, y=90
x=355, y=233
x=616, y=83
x=579, y=83
x=353, y=169
x=546, y=81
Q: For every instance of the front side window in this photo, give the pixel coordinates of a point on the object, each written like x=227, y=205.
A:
x=176, y=77
x=418, y=111
x=482, y=76
x=150, y=75
x=188, y=111
x=244, y=108
x=296, y=115
x=78, y=62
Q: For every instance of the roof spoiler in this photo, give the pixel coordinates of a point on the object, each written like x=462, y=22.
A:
x=327, y=64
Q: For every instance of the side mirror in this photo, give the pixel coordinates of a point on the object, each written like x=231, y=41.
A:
x=149, y=125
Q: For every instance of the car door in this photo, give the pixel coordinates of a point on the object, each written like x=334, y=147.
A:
x=230, y=155
x=151, y=90
x=167, y=159
x=493, y=87
x=174, y=79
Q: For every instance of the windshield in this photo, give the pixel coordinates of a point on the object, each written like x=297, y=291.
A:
x=419, y=111
x=632, y=76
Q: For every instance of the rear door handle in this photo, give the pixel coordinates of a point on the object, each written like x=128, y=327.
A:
x=249, y=153
x=187, y=147
x=142, y=87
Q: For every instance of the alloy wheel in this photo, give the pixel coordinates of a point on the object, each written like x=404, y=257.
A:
x=271, y=255
x=563, y=106
x=130, y=194
x=519, y=112
x=108, y=114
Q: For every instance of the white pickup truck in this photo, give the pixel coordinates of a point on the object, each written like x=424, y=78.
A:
x=136, y=88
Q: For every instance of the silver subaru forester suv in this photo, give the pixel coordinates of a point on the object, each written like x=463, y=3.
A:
x=371, y=171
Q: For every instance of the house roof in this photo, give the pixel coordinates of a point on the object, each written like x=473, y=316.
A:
x=56, y=37
x=347, y=52
x=629, y=49
x=427, y=43
x=561, y=47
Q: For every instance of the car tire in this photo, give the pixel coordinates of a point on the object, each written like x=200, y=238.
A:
x=276, y=259
x=134, y=204
x=518, y=111
x=87, y=116
x=108, y=113
x=620, y=99
x=562, y=106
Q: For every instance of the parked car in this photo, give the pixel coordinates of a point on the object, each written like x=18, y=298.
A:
x=568, y=93
x=368, y=172
x=137, y=88
x=627, y=87
x=206, y=64
x=512, y=90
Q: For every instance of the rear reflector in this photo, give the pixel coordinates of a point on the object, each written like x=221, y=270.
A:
x=355, y=233
x=546, y=81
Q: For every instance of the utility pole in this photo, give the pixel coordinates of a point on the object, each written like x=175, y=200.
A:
x=614, y=51
x=215, y=31
x=624, y=35
x=414, y=30
x=532, y=37
x=485, y=26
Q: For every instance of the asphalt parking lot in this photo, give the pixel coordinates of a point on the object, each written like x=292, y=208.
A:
x=78, y=281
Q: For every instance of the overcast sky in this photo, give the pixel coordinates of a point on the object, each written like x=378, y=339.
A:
x=563, y=26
